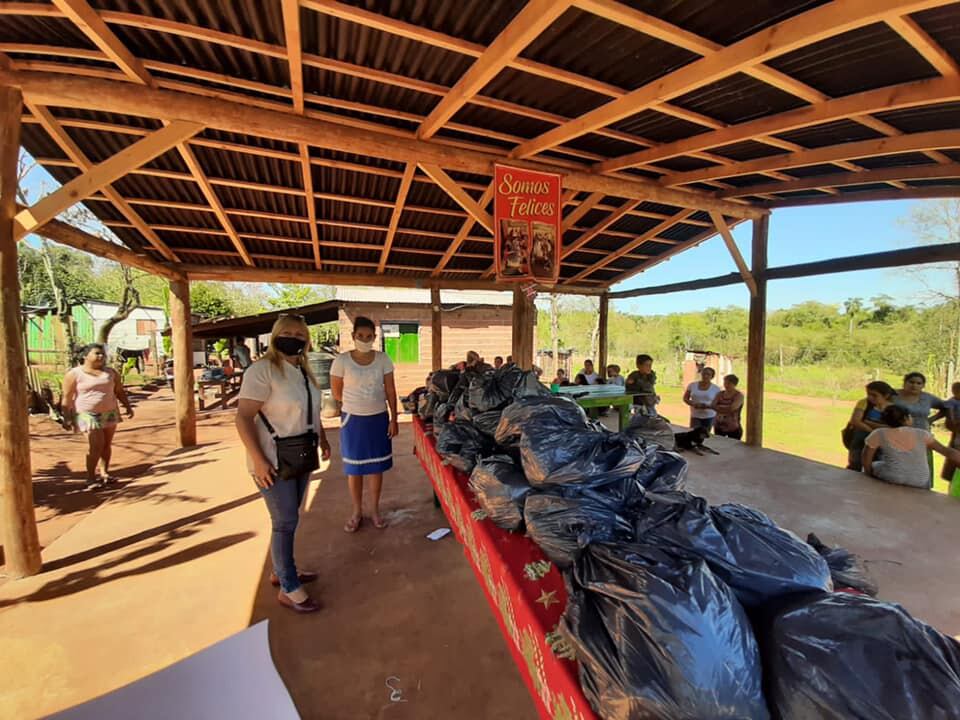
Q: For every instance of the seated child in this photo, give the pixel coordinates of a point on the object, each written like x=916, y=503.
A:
x=613, y=375
x=642, y=384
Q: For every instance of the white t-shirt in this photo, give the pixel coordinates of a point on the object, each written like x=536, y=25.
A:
x=618, y=380
x=705, y=397
x=363, y=391
x=591, y=378
x=284, y=397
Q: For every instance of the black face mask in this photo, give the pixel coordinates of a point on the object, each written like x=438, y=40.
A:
x=290, y=345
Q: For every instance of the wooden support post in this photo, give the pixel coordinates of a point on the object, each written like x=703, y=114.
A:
x=604, y=325
x=183, y=362
x=436, y=328
x=21, y=546
x=524, y=318
x=756, y=345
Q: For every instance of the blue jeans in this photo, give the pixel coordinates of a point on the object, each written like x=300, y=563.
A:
x=705, y=423
x=283, y=500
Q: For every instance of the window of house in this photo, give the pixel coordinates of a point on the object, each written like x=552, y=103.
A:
x=146, y=327
x=401, y=342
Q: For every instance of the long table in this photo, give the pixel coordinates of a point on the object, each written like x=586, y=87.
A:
x=524, y=589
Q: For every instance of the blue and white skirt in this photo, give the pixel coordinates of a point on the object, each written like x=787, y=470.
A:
x=364, y=445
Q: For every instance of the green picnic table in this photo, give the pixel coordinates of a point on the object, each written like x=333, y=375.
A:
x=623, y=403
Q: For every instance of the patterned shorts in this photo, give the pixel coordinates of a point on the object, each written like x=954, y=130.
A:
x=89, y=421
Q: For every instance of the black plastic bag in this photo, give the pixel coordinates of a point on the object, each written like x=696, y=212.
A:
x=441, y=415
x=743, y=547
x=539, y=414
x=501, y=489
x=840, y=656
x=519, y=383
x=663, y=471
x=486, y=393
x=583, y=457
x=846, y=569
x=652, y=430
x=442, y=383
x=486, y=422
x=564, y=526
x=427, y=406
x=461, y=445
x=659, y=637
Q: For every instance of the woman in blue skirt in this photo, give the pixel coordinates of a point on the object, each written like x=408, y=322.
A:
x=362, y=380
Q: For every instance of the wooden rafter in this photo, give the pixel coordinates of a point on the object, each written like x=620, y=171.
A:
x=405, y=184
x=883, y=99
x=917, y=142
x=663, y=257
x=232, y=116
x=458, y=195
x=463, y=233
x=920, y=193
x=55, y=130
x=93, y=26
x=210, y=194
x=599, y=228
x=291, y=31
x=625, y=250
x=864, y=177
x=535, y=17
x=728, y=240
x=928, y=48
x=820, y=23
x=589, y=203
x=101, y=175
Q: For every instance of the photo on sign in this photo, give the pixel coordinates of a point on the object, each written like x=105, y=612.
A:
x=543, y=257
x=515, y=247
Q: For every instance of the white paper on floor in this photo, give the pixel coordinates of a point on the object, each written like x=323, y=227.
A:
x=234, y=679
x=438, y=534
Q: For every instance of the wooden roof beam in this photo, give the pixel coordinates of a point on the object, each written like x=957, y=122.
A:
x=536, y=16
x=101, y=175
x=55, y=130
x=728, y=240
x=588, y=204
x=812, y=26
x=917, y=142
x=928, y=48
x=93, y=26
x=210, y=194
x=598, y=229
x=863, y=177
x=222, y=114
x=625, y=250
x=405, y=184
x=464, y=231
x=459, y=195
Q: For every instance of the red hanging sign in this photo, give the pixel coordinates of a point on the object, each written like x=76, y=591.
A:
x=527, y=214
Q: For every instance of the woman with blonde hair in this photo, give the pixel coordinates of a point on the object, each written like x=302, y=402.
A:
x=278, y=420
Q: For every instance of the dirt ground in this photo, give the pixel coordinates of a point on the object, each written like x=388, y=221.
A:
x=57, y=458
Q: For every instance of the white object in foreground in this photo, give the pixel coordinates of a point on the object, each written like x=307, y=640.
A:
x=234, y=680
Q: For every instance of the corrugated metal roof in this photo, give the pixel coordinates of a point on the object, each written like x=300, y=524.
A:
x=258, y=179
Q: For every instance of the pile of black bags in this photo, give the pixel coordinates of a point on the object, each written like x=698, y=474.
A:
x=676, y=608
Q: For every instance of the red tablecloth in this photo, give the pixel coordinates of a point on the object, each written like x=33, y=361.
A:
x=524, y=589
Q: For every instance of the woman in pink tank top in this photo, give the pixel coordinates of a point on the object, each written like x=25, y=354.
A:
x=90, y=404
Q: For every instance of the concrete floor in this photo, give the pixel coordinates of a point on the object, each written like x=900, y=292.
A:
x=178, y=561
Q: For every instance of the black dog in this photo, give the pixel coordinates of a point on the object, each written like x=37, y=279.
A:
x=693, y=440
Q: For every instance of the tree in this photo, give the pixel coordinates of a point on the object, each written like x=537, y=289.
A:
x=129, y=300
x=853, y=309
x=211, y=300
x=293, y=296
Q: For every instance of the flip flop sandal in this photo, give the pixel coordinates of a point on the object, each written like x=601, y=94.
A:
x=380, y=524
x=352, y=525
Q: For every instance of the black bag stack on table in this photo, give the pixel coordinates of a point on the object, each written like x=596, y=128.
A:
x=660, y=583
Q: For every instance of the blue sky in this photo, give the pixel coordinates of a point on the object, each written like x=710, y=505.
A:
x=798, y=235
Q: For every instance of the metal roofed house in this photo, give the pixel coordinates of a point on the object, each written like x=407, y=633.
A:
x=274, y=150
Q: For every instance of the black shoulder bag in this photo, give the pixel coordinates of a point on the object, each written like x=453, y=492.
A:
x=296, y=455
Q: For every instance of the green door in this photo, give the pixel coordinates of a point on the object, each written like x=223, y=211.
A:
x=401, y=342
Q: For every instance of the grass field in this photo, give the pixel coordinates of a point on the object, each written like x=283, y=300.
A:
x=805, y=426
